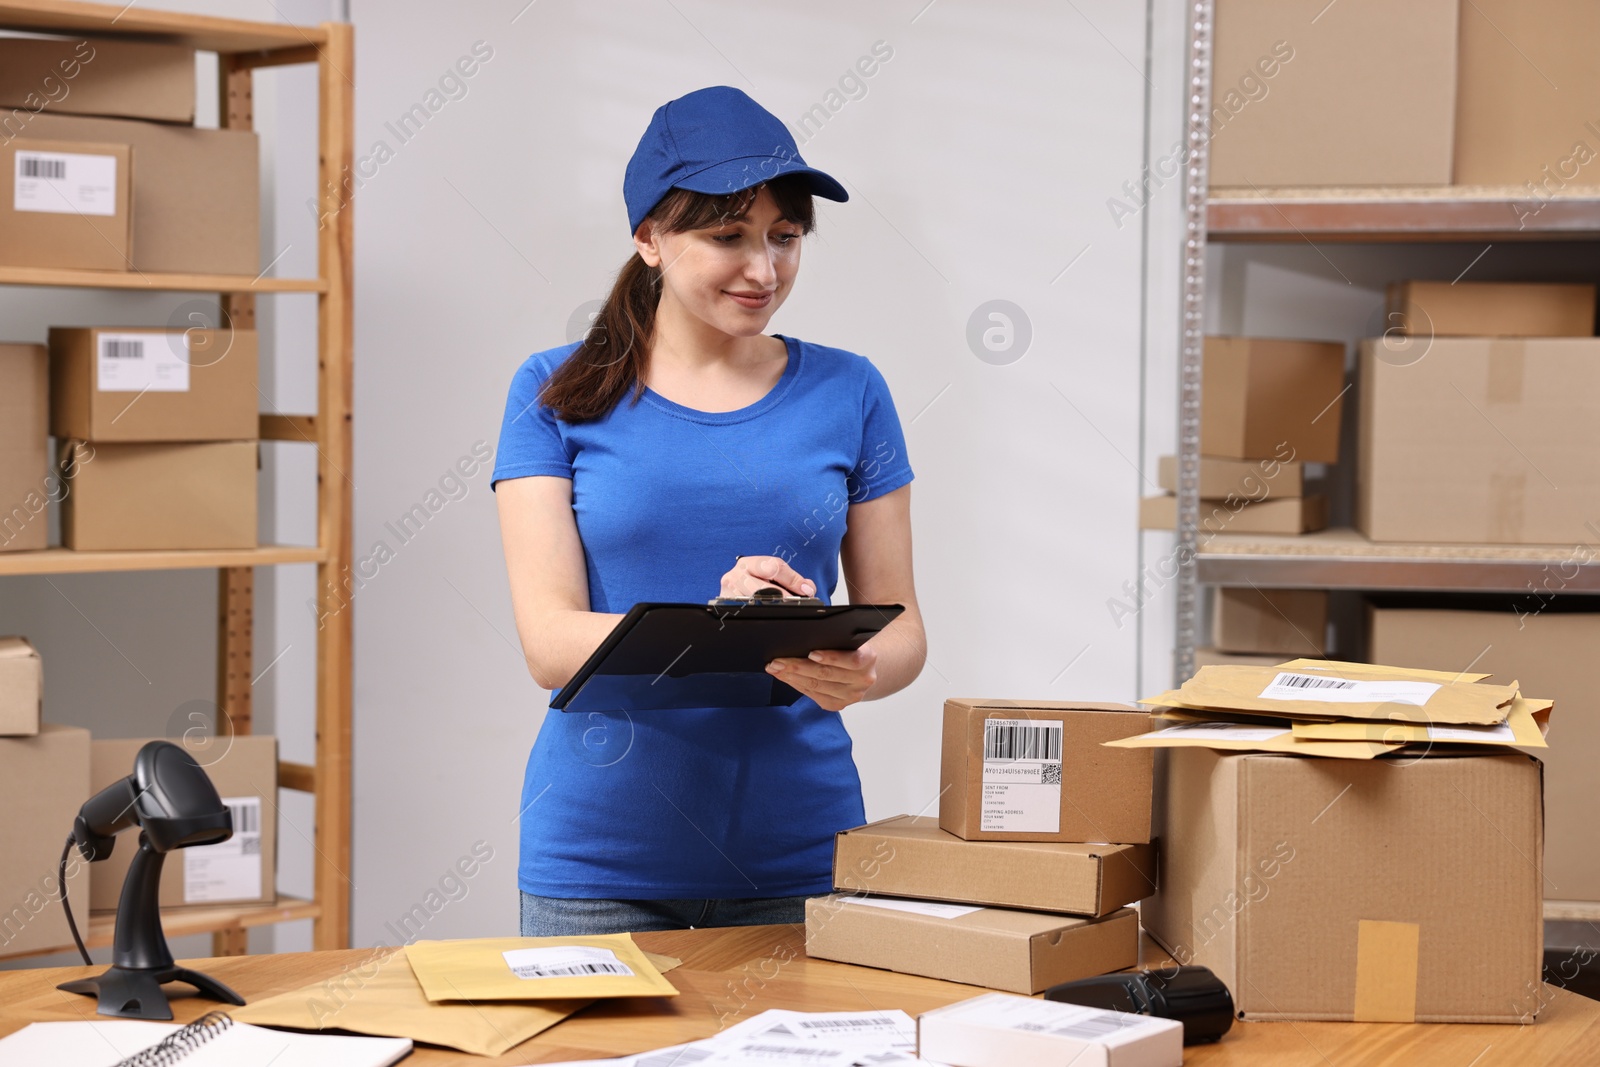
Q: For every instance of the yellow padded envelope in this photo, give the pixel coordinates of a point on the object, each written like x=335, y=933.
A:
x=536, y=968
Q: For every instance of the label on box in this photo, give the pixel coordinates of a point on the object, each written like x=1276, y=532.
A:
x=1021, y=776
x=231, y=869
x=1334, y=690
x=1502, y=732
x=916, y=907
x=143, y=362
x=564, y=961
x=65, y=183
x=1223, y=731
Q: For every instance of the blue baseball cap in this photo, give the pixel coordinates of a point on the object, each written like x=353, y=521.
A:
x=714, y=140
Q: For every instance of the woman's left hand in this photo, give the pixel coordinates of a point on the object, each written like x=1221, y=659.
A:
x=834, y=678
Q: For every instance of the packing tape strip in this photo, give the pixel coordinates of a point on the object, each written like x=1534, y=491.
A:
x=1386, y=971
x=1507, y=367
x=1508, y=494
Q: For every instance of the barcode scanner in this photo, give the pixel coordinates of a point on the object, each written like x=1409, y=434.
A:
x=1192, y=995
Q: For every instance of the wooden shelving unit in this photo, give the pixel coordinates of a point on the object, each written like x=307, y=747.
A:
x=243, y=47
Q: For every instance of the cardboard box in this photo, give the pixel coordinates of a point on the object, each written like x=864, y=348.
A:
x=1551, y=651
x=196, y=196
x=1489, y=309
x=1002, y=1030
x=1479, y=440
x=1262, y=398
x=1293, y=622
x=909, y=856
x=1387, y=890
x=43, y=781
x=141, y=384
x=241, y=870
x=1035, y=770
x=66, y=204
x=103, y=76
x=1288, y=515
x=1524, y=102
x=25, y=488
x=159, y=496
x=1358, y=93
x=1208, y=656
x=1241, y=479
x=21, y=688
x=1018, y=951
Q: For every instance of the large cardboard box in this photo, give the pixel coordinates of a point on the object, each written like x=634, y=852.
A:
x=1284, y=622
x=1489, y=309
x=102, y=76
x=44, y=779
x=240, y=870
x=1362, y=92
x=141, y=384
x=1264, y=398
x=909, y=856
x=1035, y=770
x=66, y=204
x=1285, y=515
x=21, y=688
x=1018, y=951
x=192, y=495
x=1550, y=649
x=1387, y=890
x=1525, y=100
x=196, y=196
x=1240, y=479
x=24, y=447
x=1479, y=439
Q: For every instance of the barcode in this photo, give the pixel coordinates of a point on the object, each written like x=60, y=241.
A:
x=53, y=169
x=246, y=817
x=1310, y=681
x=572, y=970
x=1021, y=742
x=876, y=1024
x=114, y=349
x=791, y=1050
x=1098, y=1026
x=674, y=1058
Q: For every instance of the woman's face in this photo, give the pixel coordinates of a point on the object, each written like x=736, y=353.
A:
x=731, y=276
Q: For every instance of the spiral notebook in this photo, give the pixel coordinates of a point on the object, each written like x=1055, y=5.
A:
x=213, y=1040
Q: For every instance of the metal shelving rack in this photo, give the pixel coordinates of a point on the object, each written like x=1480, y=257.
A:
x=243, y=47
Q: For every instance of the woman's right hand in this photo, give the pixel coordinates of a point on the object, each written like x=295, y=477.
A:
x=750, y=573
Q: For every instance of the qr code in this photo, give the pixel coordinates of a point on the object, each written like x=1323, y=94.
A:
x=1052, y=774
x=251, y=846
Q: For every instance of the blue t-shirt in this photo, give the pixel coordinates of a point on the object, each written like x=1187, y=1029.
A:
x=703, y=802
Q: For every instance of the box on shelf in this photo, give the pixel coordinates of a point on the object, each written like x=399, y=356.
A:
x=1479, y=440
x=1004, y=1030
x=1524, y=103
x=1263, y=397
x=1293, y=622
x=144, y=384
x=1210, y=656
x=1018, y=951
x=196, y=196
x=25, y=485
x=1294, y=103
x=1243, y=479
x=99, y=76
x=1489, y=309
x=1035, y=770
x=909, y=856
x=1285, y=515
x=1368, y=890
x=1550, y=650
x=21, y=687
x=240, y=870
x=44, y=779
x=130, y=497
x=66, y=204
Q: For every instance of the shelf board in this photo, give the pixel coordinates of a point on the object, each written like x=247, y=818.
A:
x=61, y=277
x=182, y=922
x=1344, y=559
x=66, y=561
x=1419, y=213
x=197, y=31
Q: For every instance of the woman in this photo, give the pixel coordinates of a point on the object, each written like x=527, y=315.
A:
x=740, y=460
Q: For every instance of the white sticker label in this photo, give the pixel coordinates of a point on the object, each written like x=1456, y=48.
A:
x=1330, y=689
x=65, y=183
x=916, y=907
x=1502, y=732
x=1223, y=731
x=143, y=362
x=231, y=869
x=1021, y=776
x=1052, y=1017
x=565, y=961
x=863, y=1031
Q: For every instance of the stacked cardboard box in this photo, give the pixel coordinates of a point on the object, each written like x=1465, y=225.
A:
x=1043, y=838
x=43, y=781
x=1284, y=623
x=25, y=484
x=21, y=688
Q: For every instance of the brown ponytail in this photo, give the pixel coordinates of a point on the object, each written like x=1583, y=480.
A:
x=615, y=352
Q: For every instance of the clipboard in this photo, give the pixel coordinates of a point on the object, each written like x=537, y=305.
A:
x=662, y=656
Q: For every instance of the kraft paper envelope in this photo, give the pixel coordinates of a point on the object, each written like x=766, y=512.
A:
x=1412, y=673
x=536, y=968
x=1526, y=724
x=1319, y=693
x=1248, y=737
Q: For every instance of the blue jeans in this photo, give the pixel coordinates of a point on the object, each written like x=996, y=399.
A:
x=563, y=917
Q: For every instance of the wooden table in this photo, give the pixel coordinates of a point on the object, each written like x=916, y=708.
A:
x=732, y=973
